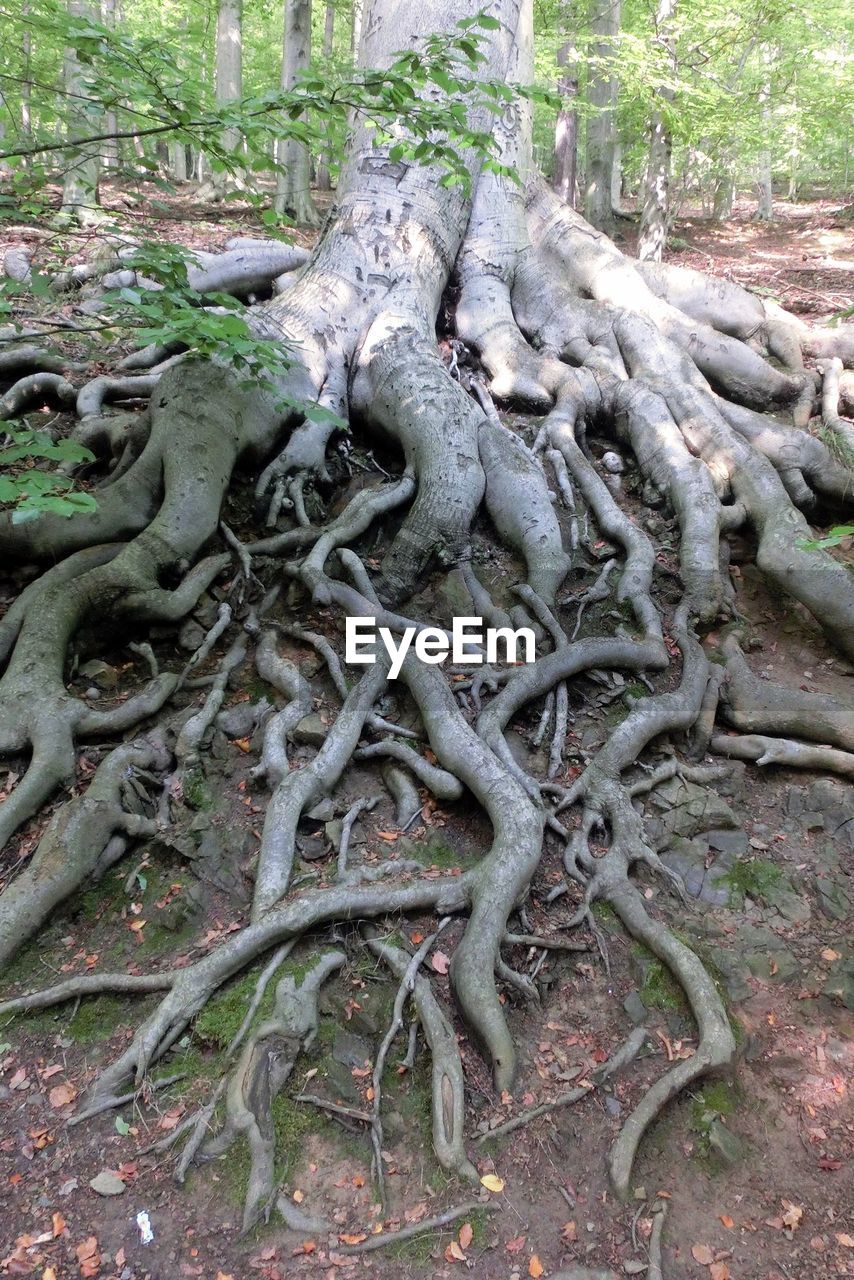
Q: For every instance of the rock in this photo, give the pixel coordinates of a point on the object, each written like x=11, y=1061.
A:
x=613, y=463
x=350, y=1050
x=832, y=900
x=725, y=1143
x=613, y=1106
x=240, y=720
x=104, y=676
x=342, y=1086
x=191, y=636
x=333, y=833
x=840, y=986
x=791, y=905
x=734, y=975
x=108, y=1183
x=312, y=848
x=780, y=964
x=688, y=859
x=635, y=1008
x=734, y=842
x=311, y=730
x=322, y=812
x=692, y=809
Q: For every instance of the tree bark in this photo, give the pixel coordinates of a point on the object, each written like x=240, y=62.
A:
x=656, y=204
x=324, y=182
x=566, y=131
x=601, y=98
x=293, y=182
x=80, y=183
x=229, y=77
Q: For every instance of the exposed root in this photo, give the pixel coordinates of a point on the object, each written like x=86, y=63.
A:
x=435, y=1223
x=784, y=752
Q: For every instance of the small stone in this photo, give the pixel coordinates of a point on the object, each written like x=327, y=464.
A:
x=634, y=1267
x=103, y=675
x=108, y=1183
x=635, y=1008
x=726, y=1144
x=613, y=1106
x=311, y=730
x=312, y=848
x=726, y=841
x=613, y=462
x=350, y=1050
x=191, y=636
x=322, y=812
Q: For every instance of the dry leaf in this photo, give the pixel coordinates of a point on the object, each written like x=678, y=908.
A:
x=727, y=1221
x=354, y=1239
x=298, y=1196
x=569, y=1231
x=830, y=955
x=846, y=1241
x=535, y=1267
x=792, y=1216
x=719, y=1271
x=220, y=1275
x=516, y=1244
x=61, y=1095
x=492, y=1182
x=440, y=962
x=702, y=1253
x=388, y=836
x=466, y=1235
x=48, y=1274
x=453, y=1253
x=58, y=1225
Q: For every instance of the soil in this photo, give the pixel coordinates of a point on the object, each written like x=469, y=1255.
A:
x=755, y=1168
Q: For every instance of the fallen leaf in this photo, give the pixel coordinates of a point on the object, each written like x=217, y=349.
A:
x=416, y=938
x=727, y=1221
x=388, y=836
x=516, y=1244
x=61, y=1095
x=569, y=1231
x=492, y=1182
x=702, y=1253
x=354, y=1239
x=535, y=1267
x=830, y=955
x=18, y=1078
x=298, y=1197
x=221, y=1275
x=453, y=1253
x=466, y=1235
x=48, y=1274
x=171, y=1118
x=58, y=1225
x=242, y=744
x=51, y=1071
x=439, y=962
x=719, y=1271
x=792, y=1217
x=846, y=1241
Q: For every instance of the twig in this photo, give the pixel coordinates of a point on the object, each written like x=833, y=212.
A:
x=418, y=1228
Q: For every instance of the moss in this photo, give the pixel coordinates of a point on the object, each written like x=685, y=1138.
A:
x=716, y=1100
x=434, y=852
x=219, y=1021
x=197, y=793
x=660, y=990
x=293, y=1122
x=92, y=1022
x=754, y=876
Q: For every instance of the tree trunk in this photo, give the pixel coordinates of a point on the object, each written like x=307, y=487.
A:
x=356, y=29
x=324, y=182
x=80, y=183
x=566, y=131
x=545, y=314
x=228, y=80
x=765, y=201
x=601, y=99
x=656, y=203
x=293, y=182
x=110, y=146
x=26, y=87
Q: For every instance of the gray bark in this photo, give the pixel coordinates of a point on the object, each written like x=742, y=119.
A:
x=324, y=182
x=566, y=131
x=293, y=184
x=229, y=74
x=601, y=97
x=80, y=184
x=656, y=204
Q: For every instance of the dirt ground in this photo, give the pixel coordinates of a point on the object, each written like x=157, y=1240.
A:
x=756, y=1168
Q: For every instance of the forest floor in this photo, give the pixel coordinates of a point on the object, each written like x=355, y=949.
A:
x=756, y=1168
